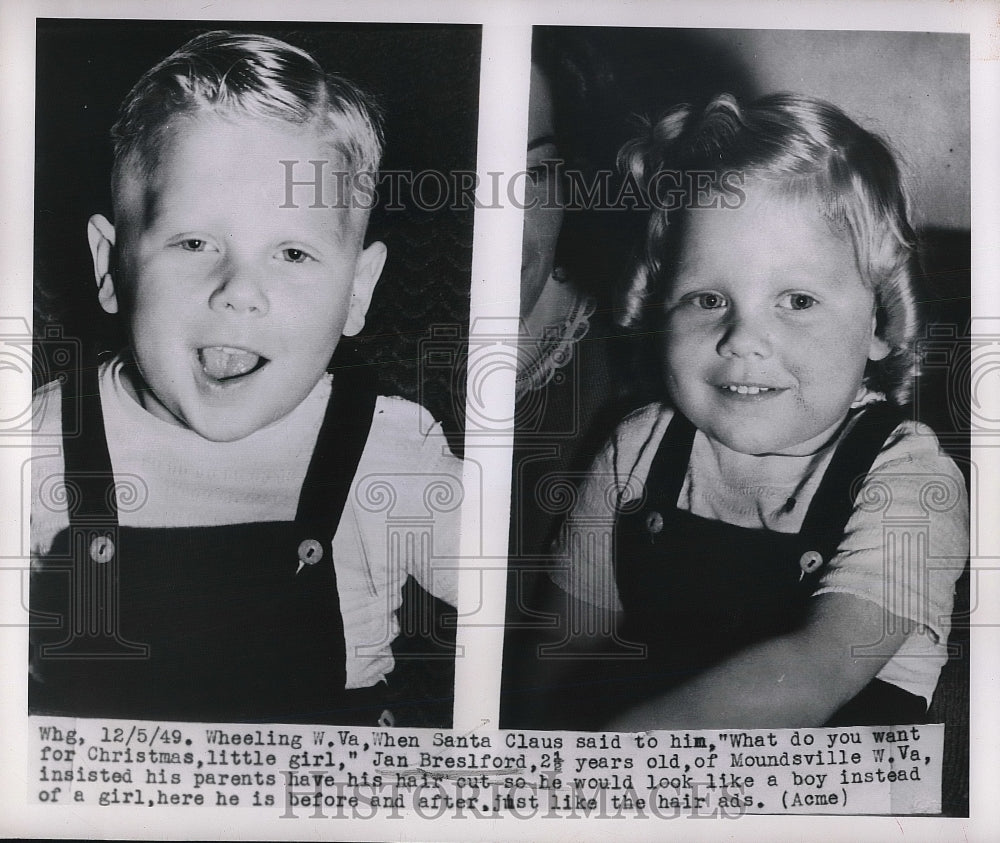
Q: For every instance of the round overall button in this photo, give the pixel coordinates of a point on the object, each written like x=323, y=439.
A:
x=810, y=561
x=654, y=523
x=310, y=552
x=102, y=549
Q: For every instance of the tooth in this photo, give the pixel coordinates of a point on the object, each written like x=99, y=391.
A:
x=222, y=362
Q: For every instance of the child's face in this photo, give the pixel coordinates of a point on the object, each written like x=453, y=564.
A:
x=234, y=303
x=768, y=326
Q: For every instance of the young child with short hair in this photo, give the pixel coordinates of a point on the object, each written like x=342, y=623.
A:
x=774, y=544
x=211, y=523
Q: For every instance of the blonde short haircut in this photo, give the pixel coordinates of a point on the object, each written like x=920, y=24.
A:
x=242, y=75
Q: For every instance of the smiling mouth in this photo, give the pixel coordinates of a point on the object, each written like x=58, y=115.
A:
x=226, y=364
x=749, y=389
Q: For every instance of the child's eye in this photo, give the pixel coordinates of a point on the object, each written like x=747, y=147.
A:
x=193, y=244
x=709, y=301
x=798, y=301
x=293, y=255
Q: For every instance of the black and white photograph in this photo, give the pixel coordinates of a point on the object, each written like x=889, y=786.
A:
x=720, y=387
x=229, y=371
x=499, y=420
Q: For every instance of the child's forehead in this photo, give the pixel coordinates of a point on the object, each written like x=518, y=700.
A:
x=228, y=164
x=784, y=208
x=768, y=229
x=247, y=142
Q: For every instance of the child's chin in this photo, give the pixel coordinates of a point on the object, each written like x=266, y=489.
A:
x=754, y=443
x=227, y=429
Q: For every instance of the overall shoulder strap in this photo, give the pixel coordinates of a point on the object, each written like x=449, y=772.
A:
x=669, y=467
x=833, y=503
x=89, y=475
x=339, y=445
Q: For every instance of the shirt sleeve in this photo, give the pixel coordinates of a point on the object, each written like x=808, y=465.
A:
x=49, y=495
x=584, y=563
x=907, y=541
x=407, y=498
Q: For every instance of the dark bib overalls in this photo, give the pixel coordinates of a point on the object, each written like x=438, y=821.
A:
x=695, y=591
x=239, y=622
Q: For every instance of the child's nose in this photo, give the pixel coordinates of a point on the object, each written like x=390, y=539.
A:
x=744, y=336
x=239, y=289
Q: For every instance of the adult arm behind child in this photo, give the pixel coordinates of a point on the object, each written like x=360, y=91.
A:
x=576, y=673
x=795, y=680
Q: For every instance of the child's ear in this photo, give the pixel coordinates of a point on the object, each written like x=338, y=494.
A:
x=101, y=236
x=878, y=348
x=366, y=275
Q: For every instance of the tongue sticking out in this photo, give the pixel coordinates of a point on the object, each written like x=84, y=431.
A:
x=220, y=362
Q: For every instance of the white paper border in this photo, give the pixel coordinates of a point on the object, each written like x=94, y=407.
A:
x=505, y=25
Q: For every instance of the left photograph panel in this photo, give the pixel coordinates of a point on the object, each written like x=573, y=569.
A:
x=246, y=481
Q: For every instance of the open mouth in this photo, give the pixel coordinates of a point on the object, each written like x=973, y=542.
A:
x=226, y=365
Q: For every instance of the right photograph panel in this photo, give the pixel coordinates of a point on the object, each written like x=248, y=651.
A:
x=741, y=470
